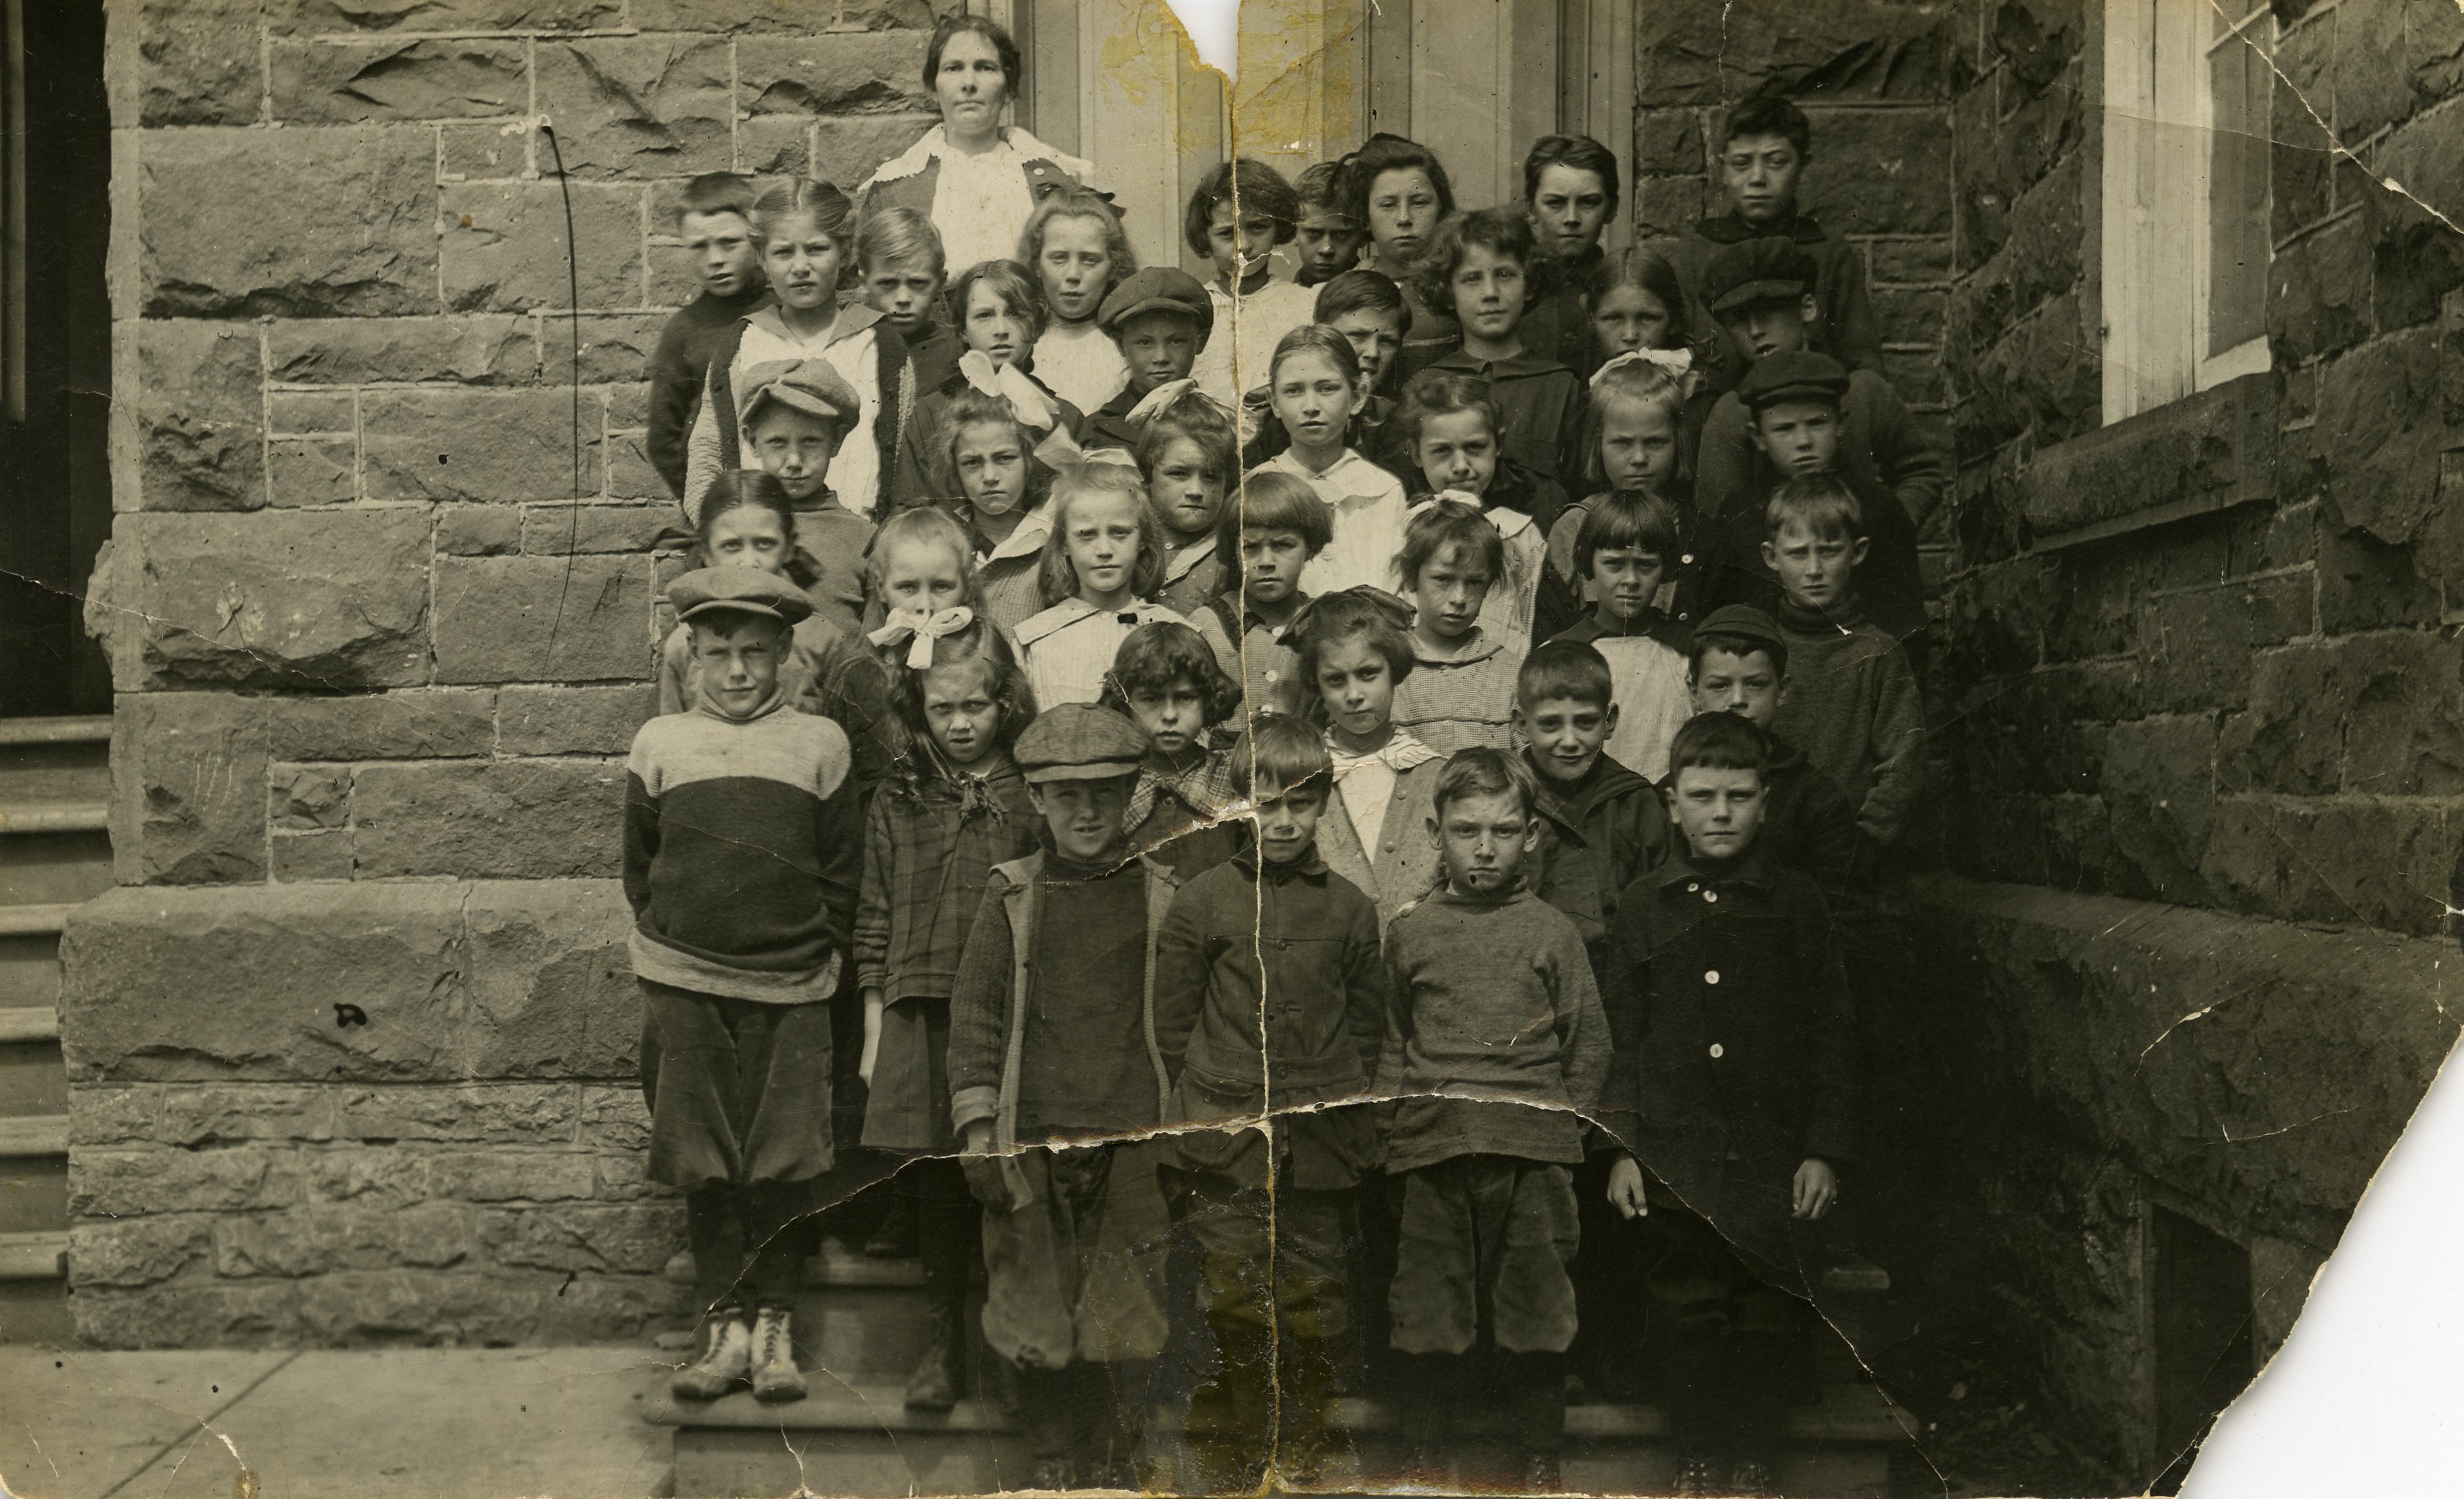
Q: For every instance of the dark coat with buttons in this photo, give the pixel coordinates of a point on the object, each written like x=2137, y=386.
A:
x=1734, y=1033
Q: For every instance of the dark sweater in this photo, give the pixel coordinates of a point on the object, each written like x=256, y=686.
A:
x=1850, y=333
x=1491, y=1009
x=743, y=846
x=678, y=368
x=1603, y=832
x=1540, y=405
x=1854, y=706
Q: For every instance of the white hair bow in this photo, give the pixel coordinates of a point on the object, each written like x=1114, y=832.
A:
x=1677, y=362
x=1157, y=398
x=1026, y=402
x=921, y=627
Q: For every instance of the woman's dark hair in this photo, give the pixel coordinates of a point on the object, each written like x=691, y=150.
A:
x=1581, y=153
x=1259, y=189
x=984, y=26
x=1626, y=518
x=1358, y=174
x=982, y=640
x=752, y=488
x=832, y=212
x=1155, y=656
x=1317, y=338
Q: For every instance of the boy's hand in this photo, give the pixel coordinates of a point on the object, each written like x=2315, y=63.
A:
x=976, y=1139
x=1817, y=1188
x=871, y=1053
x=1625, y=1188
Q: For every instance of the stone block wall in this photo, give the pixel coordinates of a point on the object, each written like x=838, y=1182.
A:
x=352, y=1046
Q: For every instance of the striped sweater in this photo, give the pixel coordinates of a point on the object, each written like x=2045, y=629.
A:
x=743, y=844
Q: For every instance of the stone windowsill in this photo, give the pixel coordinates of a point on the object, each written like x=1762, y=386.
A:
x=2190, y=457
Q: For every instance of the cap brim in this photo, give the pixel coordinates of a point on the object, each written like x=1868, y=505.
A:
x=1752, y=291
x=796, y=401
x=1099, y=771
x=1759, y=399
x=733, y=606
x=1159, y=304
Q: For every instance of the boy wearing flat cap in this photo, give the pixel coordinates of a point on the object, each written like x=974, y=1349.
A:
x=742, y=843
x=795, y=414
x=1161, y=318
x=1797, y=411
x=1052, y=1058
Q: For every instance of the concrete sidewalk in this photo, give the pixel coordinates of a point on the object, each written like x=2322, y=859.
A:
x=434, y=1423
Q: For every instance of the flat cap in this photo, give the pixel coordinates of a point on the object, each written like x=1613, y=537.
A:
x=812, y=386
x=1079, y=741
x=1745, y=621
x=1158, y=288
x=738, y=590
x=1764, y=270
x=1798, y=375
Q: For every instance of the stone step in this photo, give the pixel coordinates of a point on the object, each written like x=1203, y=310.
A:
x=30, y=973
x=50, y=856
x=858, y=1439
x=38, y=1134
x=39, y=919
x=30, y=1023
x=41, y=1255
x=54, y=760
x=35, y=1194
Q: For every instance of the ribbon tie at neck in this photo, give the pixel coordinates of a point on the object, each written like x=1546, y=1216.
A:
x=920, y=628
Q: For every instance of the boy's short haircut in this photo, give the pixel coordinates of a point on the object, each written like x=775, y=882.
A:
x=1270, y=500
x=1073, y=201
x=1284, y=755
x=1768, y=114
x=897, y=236
x=1316, y=187
x=719, y=192
x=1573, y=669
x=1197, y=420
x=1718, y=742
x=1257, y=188
x=1501, y=231
x=1356, y=175
x=1581, y=153
x=1822, y=503
x=1444, y=524
x=1056, y=576
x=1481, y=771
x=1626, y=518
x=1358, y=292
x=1155, y=656
x=1440, y=393
x=1018, y=288
x=1740, y=646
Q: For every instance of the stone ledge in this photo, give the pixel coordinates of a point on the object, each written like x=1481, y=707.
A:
x=2190, y=457
x=2156, y=1036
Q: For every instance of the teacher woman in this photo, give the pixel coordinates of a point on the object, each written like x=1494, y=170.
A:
x=975, y=178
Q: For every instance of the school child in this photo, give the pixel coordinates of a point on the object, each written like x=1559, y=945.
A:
x=1354, y=648
x=1853, y=705
x=1731, y=1102
x=1075, y=244
x=1481, y=265
x=1328, y=239
x=747, y=520
x=1399, y=189
x=1270, y=1000
x=1266, y=541
x=1796, y=413
x=1737, y=663
x=1494, y=1040
x=990, y=456
x=1570, y=188
x=1637, y=306
x=1000, y=311
x=1765, y=143
x=716, y=225
x=806, y=241
x=957, y=808
x=1605, y=827
x=1101, y=565
x=1460, y=689
x=1186, y=454
x=1369, y=311
x=795, y=415
x=1449, y=423
x=1316, y=389
x=1635, y=439
x=1253, y=310
x=1622, y=554
x=1052, y=1041
x=743, y=849
x=898, y=263
x=1160, y=318
x=1166, y=681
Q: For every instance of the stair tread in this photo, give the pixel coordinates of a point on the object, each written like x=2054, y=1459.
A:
x=1847, y=1413
x=34, y=1135
x=29, y=1023
x=68, y=730
x=64, y=816
x=38, y=1256
x=838, y=1266
x=35, y=921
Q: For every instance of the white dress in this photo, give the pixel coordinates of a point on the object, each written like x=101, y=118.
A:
x=1068, y=648
x=1367, y=507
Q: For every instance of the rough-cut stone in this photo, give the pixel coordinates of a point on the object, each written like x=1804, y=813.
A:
x=102, y=1116
x=561, y=529
x=1861, y=50
x=2318, y=291
x=188, y=788
x=431, y=724
x=224, y=216
x=2346, y=861
x=505, y=246
x=478, y=531
x=324, y=600
x=572, y=720
x=477, y=350
x=495, y=445
x=630, y=474
x=772, y=145
x=638, y=106
x=615, y=1118
x=848, y=147
x=2379, y=713
x=551, y=989
x=314, y=413
x=313, y=1240
x=201, y=416
x=2387, y=64
x=136, y=1251
x=196, y=61
x=526, y=819
x=449, y=15
x=616, y=347
x=188, y=1313
x=304, y=797
x=2200, y=642
x=322, y=855
x=491, y=1113
x=302, y=471
x=193, y=1116
x=1901, y=179
x=1921, y=261
x=627, y=1237
x=584, y=619
x=2379, y=426
x=839, y=74
x=2158, y=778
x=2365, y=584
x=512, y=1175
x=2210, y=452
x=319, y=83
x=128, y=1184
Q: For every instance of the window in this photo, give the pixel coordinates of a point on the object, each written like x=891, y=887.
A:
x=2186, y=94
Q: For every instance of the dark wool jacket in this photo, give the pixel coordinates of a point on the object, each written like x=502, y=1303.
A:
x=1540, y=405
x=679, y=366
x=1850, y=333
x=1559, y=324
x=1600, y=835
x=1695, y=570
x=1734, y=1033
